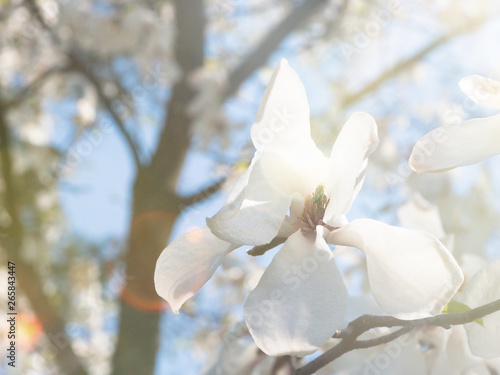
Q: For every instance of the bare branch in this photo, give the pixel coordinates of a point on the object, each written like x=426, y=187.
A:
x=407, y=63
x=349, y=336
x=202, y=194
x=35, y=85
x=80, y=66
x=35, y=10
x=269, y=44
x=361, y=344
x=132, y=144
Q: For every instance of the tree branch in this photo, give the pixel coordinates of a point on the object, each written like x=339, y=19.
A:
x=132, y=144
x=80, y=66
x=35, y=85
x=349, y=336
x=362, y=344
x=269, y=44
x=36, y=12
x=203, y=194
x=406, y=63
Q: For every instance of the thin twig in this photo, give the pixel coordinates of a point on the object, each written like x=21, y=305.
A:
x=406, y=63
x=80, y=66
x=133, y=146
x=34, y=85
x=362, y=344
x=203, y=194
x=269, y=44
x=262, y=249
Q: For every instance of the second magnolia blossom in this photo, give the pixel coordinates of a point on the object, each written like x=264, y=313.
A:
x=293, y=193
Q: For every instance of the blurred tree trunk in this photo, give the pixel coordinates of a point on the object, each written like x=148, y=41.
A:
x=156, y=207
x=140, y=305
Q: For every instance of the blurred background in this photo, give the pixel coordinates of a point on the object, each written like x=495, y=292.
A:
x=124, y=123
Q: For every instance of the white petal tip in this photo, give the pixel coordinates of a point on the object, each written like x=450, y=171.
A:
x=175, y=310
x=187, y=264
x=209, y=221
x=413, y=166
x=483, y=91
x=371, y=124
x=466, y=80
x=366, y=115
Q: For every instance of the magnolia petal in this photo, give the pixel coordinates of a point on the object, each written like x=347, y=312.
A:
x=187, y=264
x=283, y=176
x=482, y=289
x=282, y=120
x=482, y=90
x=346, y=168
x=287, y=229
x=282, y=124
x=253, y=215
x=300, y=300
x=411, y=274
x=419, y=214
x=457, y=354
x=297, y=206
x=457, y=145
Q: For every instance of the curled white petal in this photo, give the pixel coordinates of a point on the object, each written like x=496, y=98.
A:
x=411, y=274
x=187, y=264
x=482, y=289
x=457, y=145
x=482, y=90
x=300, y=300
x=346, y=168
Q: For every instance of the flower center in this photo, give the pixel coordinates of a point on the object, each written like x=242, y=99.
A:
x=314, y=211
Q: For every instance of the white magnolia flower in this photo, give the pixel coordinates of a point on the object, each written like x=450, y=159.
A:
x=482, y=289
x=291, y=191
x=466, y=143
